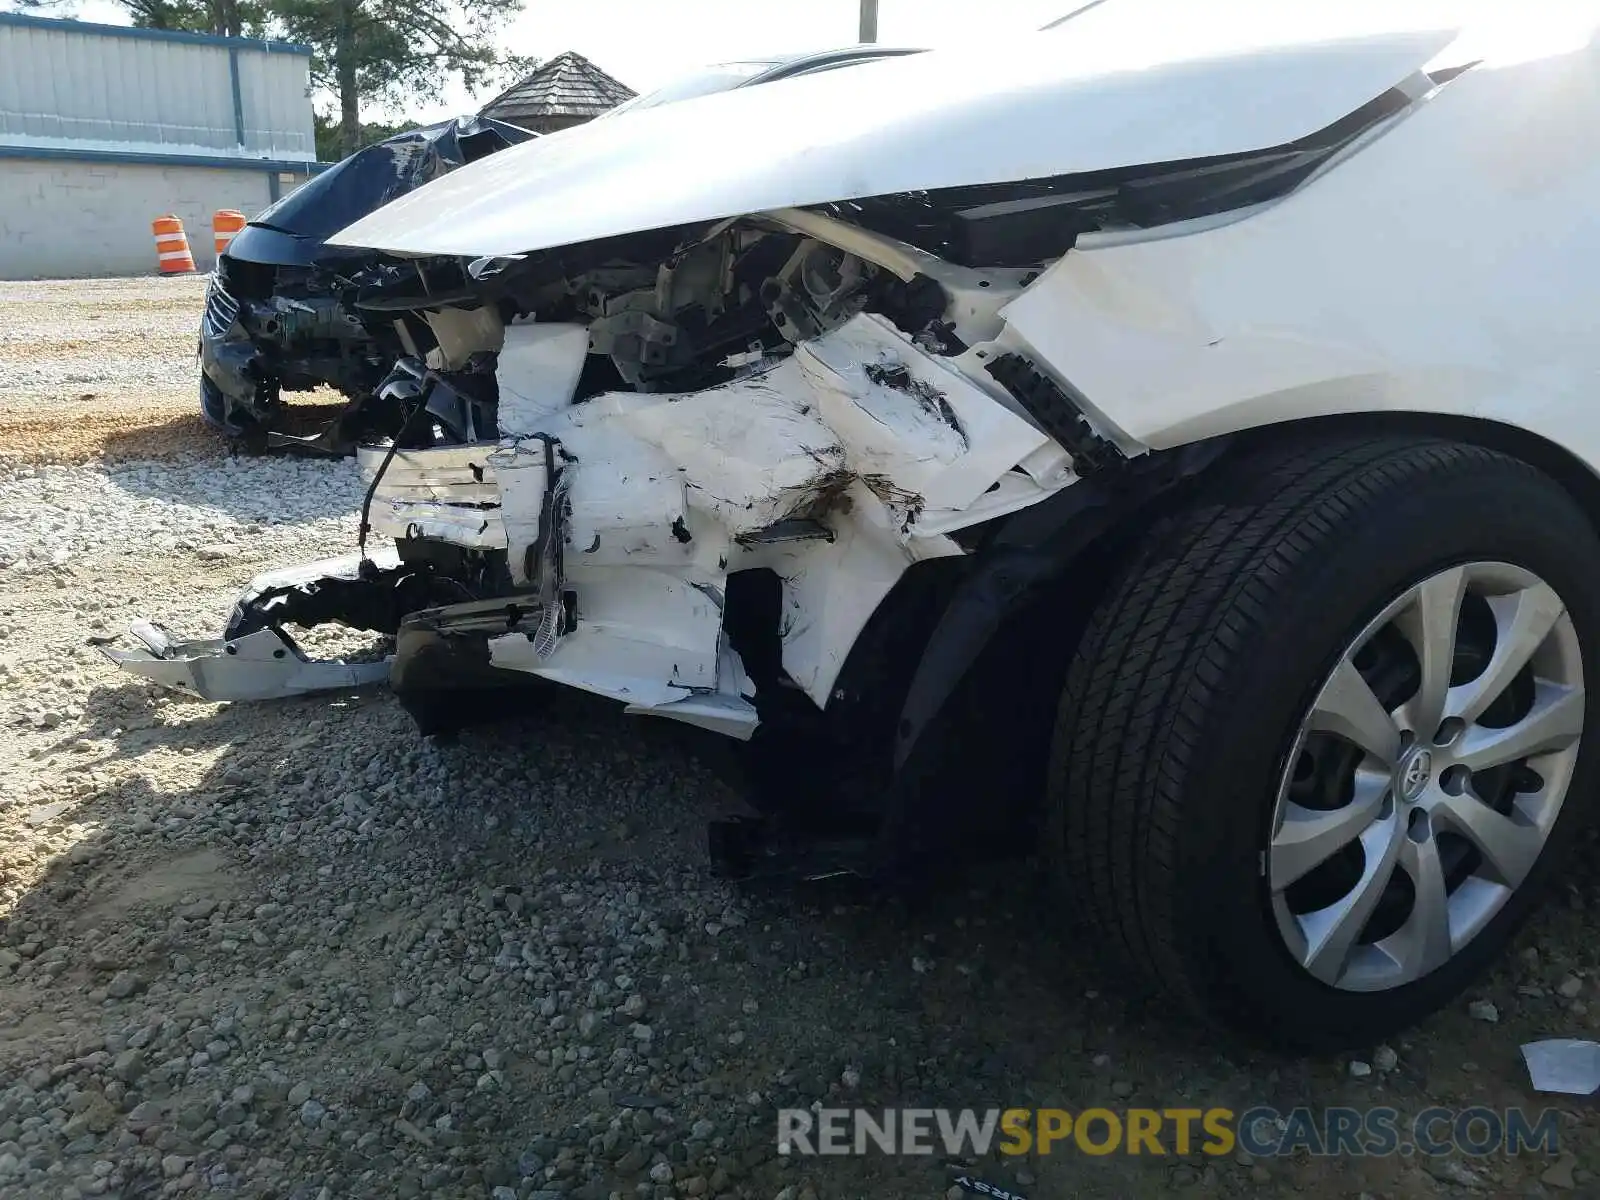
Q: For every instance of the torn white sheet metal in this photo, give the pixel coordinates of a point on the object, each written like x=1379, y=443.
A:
x=619, y=651
x=537, y=373
x=443, y=465
x=870, y=448
x=911, y=418
x=626, y=501
x=450, y=493
x=1570, y=1066
x=627, y=504
x=850, y=445
x=831, y=589
x=264, y=665
x=727, y=711
x=643, y=637
x=671, y=479
x=466, y=494
x=459, y=524
x=522, y=477
x=750, y=452
x=1129, y=82
x=1013, y=491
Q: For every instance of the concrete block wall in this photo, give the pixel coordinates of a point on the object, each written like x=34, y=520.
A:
x=61, y=219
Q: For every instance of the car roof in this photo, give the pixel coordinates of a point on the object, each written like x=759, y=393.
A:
x=822, y=60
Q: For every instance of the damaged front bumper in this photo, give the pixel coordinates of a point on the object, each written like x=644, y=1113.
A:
x=256, y=659
x=592, y=544
x=263, y=665
x=252, y=350
x=233, y=391
x=745, y=532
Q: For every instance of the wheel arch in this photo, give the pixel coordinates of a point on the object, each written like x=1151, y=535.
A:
x=1040, y=573
x=1576, y=477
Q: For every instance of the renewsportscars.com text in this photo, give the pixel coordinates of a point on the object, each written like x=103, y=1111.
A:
x=1260, y=1131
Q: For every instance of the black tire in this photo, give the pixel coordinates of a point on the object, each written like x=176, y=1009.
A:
x=1188, y=688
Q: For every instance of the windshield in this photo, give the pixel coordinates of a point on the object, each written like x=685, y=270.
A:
x=723, y=77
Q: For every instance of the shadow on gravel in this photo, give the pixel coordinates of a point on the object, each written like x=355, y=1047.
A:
x=555, y=843
x=186, y=437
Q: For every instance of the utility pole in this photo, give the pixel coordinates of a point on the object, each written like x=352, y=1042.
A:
x=869, y=20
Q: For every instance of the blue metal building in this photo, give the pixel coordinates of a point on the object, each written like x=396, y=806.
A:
x=104, y=128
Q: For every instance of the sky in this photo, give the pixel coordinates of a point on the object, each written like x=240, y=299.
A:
x=646, y=43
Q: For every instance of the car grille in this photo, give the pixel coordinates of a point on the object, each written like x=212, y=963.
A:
x=221, y=309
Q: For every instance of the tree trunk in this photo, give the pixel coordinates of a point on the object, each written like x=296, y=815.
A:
x=223, y=16
x=344, y=69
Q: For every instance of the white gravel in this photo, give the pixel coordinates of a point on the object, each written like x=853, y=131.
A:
x=45, y=325
x=42, y=375
x=48, y=514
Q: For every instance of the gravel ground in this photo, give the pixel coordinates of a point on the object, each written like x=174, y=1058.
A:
x=293, y=950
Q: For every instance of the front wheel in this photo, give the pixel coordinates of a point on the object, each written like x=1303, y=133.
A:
x=1321, y=746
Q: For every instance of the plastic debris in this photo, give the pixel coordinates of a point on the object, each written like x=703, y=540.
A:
x=1570, y=1066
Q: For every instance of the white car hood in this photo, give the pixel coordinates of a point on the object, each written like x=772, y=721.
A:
x=1130, y=82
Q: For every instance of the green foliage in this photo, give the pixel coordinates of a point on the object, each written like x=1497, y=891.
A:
x=365, y=53
x=41, y=8
x=225, y=18
x=403, y=50
x=237, y=18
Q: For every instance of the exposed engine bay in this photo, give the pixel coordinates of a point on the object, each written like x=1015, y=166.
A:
x=602, y=436
x=740, y=473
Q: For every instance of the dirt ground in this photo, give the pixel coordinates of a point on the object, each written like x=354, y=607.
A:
x=293, y=950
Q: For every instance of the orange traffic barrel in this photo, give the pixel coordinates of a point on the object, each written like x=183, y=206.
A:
x=172, y=246
x=226, y=223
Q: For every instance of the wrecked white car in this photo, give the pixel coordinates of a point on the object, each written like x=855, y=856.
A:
x=1167, y=440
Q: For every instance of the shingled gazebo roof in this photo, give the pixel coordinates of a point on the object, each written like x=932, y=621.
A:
x=568, y=87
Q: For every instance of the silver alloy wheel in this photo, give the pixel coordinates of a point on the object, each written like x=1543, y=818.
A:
x=1413, y=786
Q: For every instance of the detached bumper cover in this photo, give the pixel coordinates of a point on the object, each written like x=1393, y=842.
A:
x=263, y=665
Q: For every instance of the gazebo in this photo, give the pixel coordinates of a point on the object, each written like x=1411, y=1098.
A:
x=567, y=90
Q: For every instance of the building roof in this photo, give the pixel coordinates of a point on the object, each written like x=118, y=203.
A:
x=67, y=24
x=569, y=85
